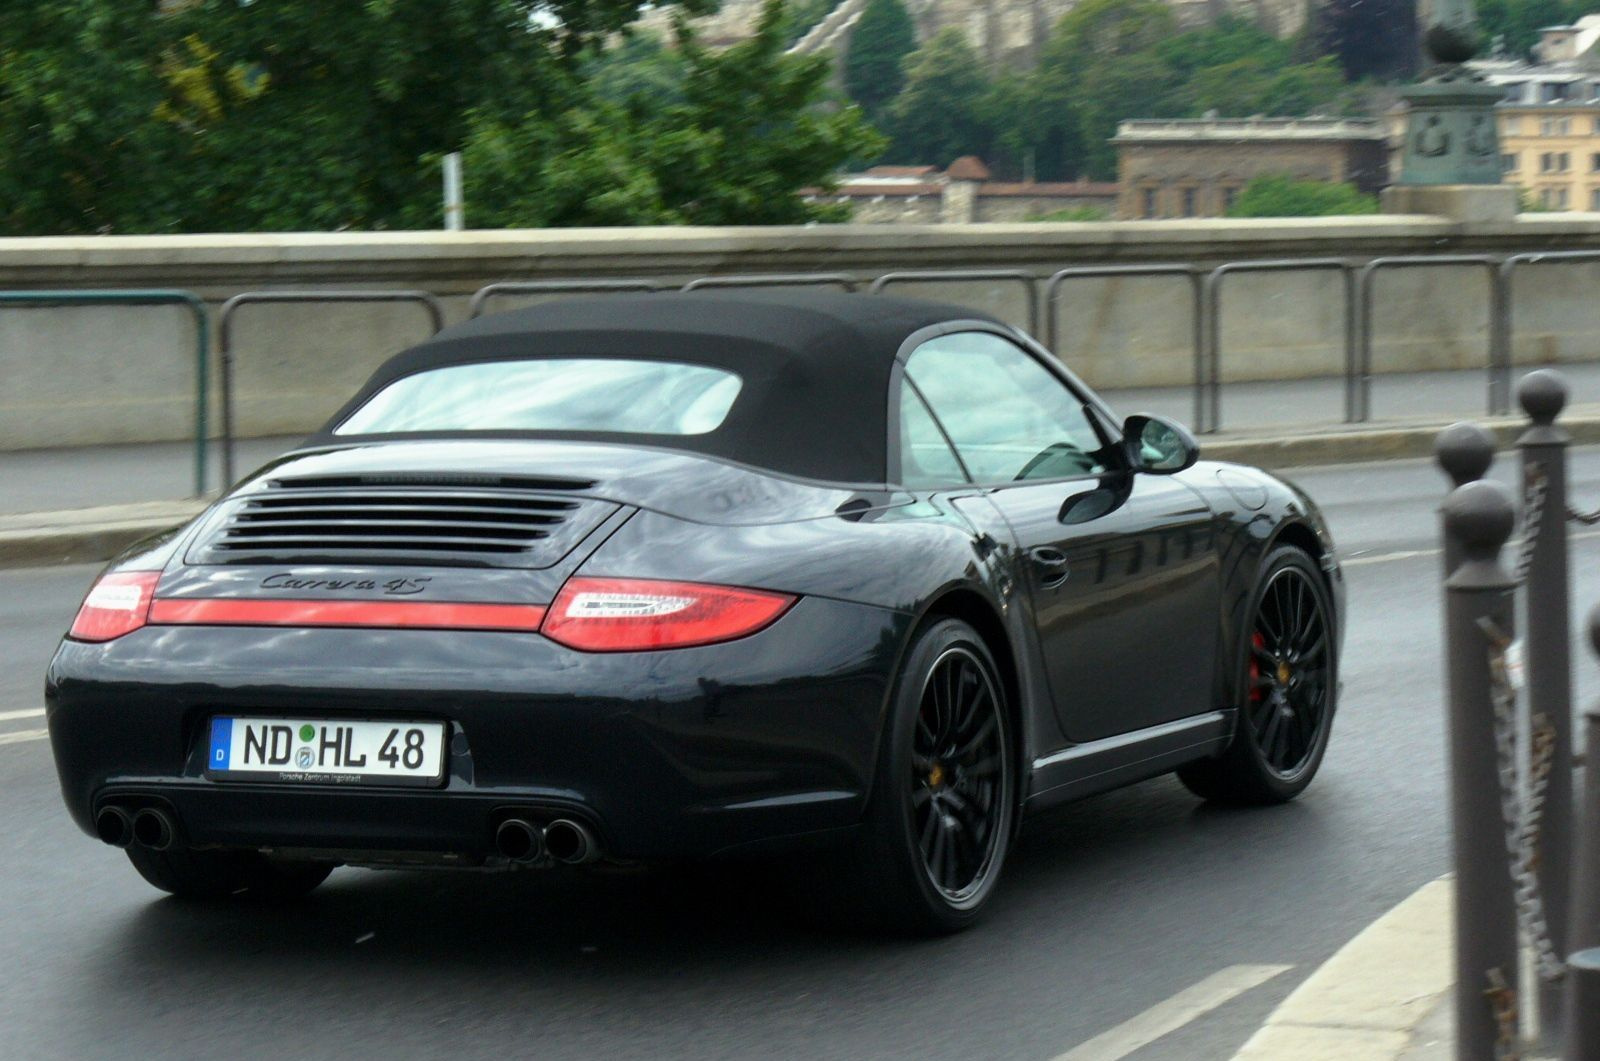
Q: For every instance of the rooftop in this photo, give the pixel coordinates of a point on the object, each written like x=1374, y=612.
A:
x=1314, y=127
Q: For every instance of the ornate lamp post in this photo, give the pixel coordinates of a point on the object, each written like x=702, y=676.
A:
x=1451, y=160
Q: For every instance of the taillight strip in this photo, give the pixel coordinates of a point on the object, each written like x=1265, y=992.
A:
x=175, y=611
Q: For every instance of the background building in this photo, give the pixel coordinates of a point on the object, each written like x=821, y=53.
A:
x=1550, y=118
x=1197, y=167
x=925, y=195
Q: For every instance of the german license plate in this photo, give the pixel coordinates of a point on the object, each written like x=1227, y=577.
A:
x=326, y=752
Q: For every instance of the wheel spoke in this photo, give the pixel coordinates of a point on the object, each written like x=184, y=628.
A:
x=977, y=740
x=930, y=828
x=985, y=767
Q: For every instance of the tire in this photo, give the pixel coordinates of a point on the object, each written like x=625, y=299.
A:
x=1287, y=680
x=220, y=874
x=938, y=827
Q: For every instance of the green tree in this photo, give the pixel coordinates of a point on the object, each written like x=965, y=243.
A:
x=939, y=115
x=79, y=84
x=1104, y=63
x=1518, y=22
x=1281, y=196
x=1370, y=38
x=743, y=133
x=873, y=64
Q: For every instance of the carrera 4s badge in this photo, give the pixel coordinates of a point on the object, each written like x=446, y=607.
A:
x=395, y=587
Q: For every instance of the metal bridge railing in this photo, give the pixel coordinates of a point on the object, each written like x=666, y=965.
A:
x=230, y=308
x=1052, y=334
x=1359, y=392
x=151, y=297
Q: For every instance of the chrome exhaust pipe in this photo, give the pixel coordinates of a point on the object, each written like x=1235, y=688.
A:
x=114, y=826
x=570, y=842
x=519, y=840
x=154, y=829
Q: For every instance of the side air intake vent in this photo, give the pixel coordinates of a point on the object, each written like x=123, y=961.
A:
x=487, y=520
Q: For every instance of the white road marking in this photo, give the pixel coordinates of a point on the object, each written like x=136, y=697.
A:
x=32, y=712
x=1411, y=554
x=23, y=735
x=1164, y=1018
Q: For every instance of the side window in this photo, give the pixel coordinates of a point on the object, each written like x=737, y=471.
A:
x=926, y=459
x=1008, y=417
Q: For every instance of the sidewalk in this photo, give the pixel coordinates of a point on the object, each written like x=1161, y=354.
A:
x=1387, y=995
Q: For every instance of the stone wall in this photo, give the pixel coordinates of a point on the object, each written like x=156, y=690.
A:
x=73, y=376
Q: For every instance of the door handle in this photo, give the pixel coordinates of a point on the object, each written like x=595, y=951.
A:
x=1050, y=564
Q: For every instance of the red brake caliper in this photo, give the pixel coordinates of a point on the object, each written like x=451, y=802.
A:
x=1259, y=643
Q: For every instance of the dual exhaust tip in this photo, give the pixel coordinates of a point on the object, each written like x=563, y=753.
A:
x=148, y=827
x=526, y=843
x=517, y=839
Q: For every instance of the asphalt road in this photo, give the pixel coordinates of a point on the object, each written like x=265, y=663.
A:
x=1110, y=907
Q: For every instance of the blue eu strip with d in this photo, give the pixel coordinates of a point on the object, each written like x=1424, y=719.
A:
x=221, y=742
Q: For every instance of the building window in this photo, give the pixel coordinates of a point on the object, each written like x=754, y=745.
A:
x=1508, y=163
x=1230, y=195
x=1513, y=125
x=1555, y=126
x=1594, y=162
x=1188, y=202
x=1149, y=202
x=1554, y=91
x=1546, y=162
x=1514, y=92
x=1561, y=199
x=1594, y=199
x=1565, y=159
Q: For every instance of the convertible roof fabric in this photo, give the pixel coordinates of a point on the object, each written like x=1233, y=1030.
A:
x=815, y=366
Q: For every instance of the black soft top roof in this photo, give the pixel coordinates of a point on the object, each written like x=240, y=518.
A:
x=815, y=366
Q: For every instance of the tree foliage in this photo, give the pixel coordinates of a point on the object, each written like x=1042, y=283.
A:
x=1282, y=196
x=938, y=115
x=873, y=63
x=247, y=115
x=739, y=138
x=1370, y=38
x=1516, y=23
x=1105, y=61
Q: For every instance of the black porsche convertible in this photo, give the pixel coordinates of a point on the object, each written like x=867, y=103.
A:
x=689, y=575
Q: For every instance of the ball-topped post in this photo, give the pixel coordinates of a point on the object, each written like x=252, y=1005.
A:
x=1543, y=447
x=1542, y=395
x=1479, y=622
x=1480, y=516
x=1464, y=452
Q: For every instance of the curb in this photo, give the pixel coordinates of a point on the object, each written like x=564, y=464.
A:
x=87, y=535
x=1367, y=1002
x=1390, y=443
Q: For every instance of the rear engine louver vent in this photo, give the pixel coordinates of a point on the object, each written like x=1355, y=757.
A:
x=406, y=519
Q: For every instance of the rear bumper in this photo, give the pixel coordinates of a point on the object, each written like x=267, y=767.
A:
x=686, y=753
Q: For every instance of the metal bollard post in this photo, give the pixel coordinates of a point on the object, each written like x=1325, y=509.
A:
x=1583, y=1024
x=1584, y=924
x=1464, y=452
x=1478, y=594
x=1542, y=395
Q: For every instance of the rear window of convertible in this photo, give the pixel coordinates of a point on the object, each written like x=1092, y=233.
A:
x=554, y=394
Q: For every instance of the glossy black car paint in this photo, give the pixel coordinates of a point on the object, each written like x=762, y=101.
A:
x=1122, y=670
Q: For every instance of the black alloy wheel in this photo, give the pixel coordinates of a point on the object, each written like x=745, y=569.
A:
x=1289, y=665
x=958, y=774
x=941, y=816
x=1287, y=685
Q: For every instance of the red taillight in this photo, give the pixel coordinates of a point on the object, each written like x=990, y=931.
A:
x=118, y=604
x=634, y=614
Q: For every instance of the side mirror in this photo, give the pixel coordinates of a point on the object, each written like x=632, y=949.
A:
x=1158, y=445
